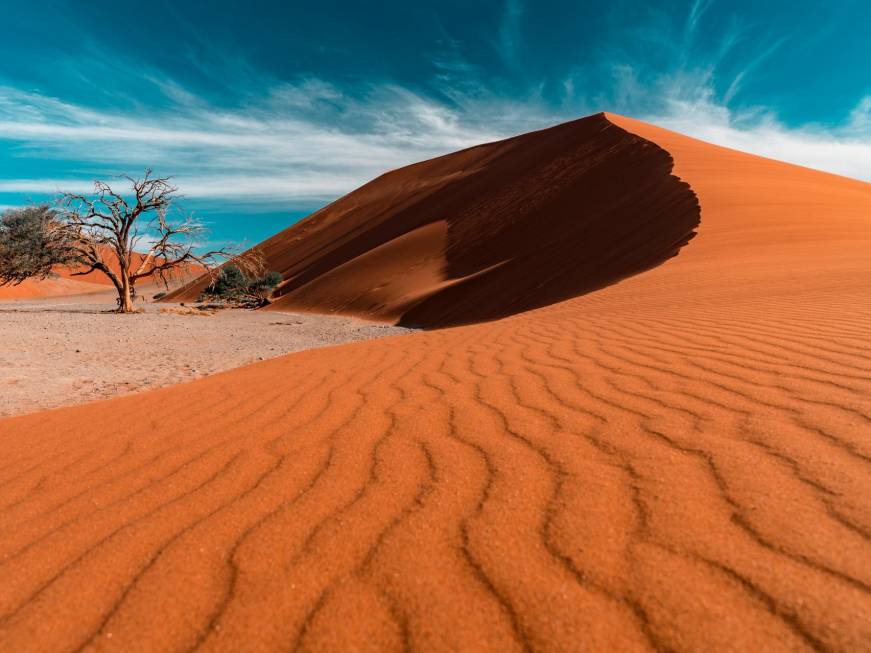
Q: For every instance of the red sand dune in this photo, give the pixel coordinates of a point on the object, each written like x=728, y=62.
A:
x=489, y=231
x=679, y=461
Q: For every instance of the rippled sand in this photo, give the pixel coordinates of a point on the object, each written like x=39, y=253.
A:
x=676, y=462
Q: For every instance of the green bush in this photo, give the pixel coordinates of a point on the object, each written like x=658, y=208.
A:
x=234, y=286
x=32, y=242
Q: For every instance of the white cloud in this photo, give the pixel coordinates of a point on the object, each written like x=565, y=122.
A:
x=278, y=149
x=45, y=185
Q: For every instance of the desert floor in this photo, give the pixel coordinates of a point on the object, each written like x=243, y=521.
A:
x=58, y=351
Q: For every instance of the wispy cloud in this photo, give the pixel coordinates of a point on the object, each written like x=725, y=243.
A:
x=697, y=10
x=277, y=149
x=302, y=143
x=735, y=86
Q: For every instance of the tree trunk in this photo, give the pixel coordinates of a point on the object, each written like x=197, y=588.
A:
x=125, y=295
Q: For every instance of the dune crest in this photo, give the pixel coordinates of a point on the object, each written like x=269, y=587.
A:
x=679, y=461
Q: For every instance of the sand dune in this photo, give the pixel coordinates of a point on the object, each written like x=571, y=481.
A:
x=489, y=231
x=679, y=461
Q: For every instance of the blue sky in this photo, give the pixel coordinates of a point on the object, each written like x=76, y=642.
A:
x=265, y=111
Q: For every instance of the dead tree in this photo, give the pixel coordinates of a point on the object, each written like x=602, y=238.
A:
x=128, y=238
x=133, y=238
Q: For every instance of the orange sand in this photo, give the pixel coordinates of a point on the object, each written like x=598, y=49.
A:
x=679, y=461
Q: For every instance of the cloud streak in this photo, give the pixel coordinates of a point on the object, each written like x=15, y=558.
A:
x=272, y=150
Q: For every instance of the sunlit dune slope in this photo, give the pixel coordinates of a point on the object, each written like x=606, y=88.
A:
x=770, y=228
x=676, y=462
x=489, y=231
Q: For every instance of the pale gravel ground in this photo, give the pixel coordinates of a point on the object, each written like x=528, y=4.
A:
x=60, y=351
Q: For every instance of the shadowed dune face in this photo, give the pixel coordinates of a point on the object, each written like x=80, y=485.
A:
x=530, y=221
x=678, y=462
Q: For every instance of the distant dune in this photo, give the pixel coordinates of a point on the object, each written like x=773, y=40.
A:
x=65, y=282
x=62, y=283
x=489, y=231
x=54, y=287
x=679, y=461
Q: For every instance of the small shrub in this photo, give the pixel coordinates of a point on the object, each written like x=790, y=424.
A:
x=235, y=287
x=229, y=282
x=159, y=295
